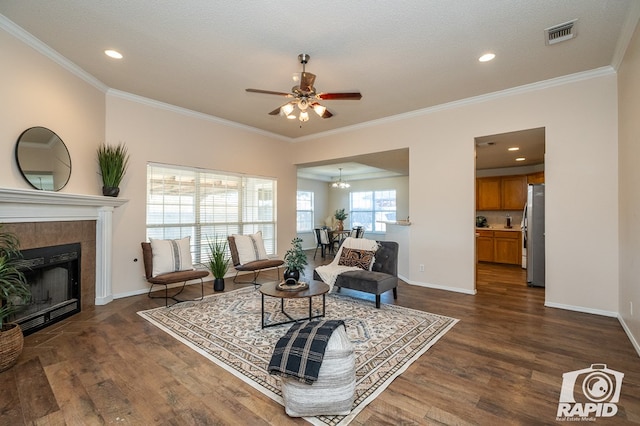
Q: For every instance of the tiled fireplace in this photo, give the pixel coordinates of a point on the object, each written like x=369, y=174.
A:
x=42, y=219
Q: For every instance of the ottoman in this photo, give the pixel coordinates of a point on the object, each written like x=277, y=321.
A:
x=333, y=392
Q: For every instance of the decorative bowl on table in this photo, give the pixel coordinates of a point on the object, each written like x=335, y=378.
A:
x=292, y=285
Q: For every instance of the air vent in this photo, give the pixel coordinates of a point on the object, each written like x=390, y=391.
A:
x=483, y=144
x=559, y=33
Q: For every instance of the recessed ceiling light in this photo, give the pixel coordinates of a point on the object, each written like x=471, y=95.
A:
x=113, y=54
x=520, y=159
x=486, y=57
x=514, y=148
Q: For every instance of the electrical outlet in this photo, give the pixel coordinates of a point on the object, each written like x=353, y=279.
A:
x=421, y=267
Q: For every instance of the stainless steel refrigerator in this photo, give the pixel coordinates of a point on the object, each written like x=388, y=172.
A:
x=534, y=228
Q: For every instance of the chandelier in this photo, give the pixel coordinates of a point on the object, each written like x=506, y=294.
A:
x=340, y=184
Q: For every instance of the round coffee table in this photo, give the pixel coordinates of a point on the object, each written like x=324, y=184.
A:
x=316, y=288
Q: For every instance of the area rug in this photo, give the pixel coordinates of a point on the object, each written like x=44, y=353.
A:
x=226, y=329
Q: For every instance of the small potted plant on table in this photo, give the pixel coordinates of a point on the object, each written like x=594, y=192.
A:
x=14, y=292
x=295, y=260
x=218, y=263
x=340, y=215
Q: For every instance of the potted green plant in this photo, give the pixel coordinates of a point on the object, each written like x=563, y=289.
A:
x=14, y=293
x=295, y=260
x=113, y=161
x=340, y=215
x=218, y=262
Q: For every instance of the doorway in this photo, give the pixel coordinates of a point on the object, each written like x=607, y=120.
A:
x=506, y=164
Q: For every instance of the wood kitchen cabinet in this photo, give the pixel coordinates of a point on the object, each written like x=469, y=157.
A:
x=514, y=192
x=537, y=177
x=484, y=246
x=506, y=247
x=499, y=246
x=501, y=192
x=488, y=193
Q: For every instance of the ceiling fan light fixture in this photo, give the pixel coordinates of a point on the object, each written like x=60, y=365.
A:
x=287, y=109
x=304, y=116
x=319, y=109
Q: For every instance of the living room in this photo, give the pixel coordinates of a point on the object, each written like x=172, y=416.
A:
x=592, y=112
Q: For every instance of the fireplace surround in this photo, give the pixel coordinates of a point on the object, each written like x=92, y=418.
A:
x=44, y=218
x=53, y=276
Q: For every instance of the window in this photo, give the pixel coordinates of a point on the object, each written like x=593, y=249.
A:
x=369, y=207
x=206, y=204
x=304, y=211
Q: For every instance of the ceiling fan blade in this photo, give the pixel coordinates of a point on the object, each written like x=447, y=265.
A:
x=306, y=81
x=327, y=114
x=270, y=92
x=356, y=96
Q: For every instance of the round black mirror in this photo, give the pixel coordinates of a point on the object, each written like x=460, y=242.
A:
x=43, y=159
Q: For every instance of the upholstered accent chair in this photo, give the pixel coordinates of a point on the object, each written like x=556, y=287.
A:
x=245, y=262
x=166, y=279
x=382, y=277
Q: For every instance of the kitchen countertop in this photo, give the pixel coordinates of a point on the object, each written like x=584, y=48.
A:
x=499, y=228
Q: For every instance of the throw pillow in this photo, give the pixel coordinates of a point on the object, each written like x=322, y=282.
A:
x=171, y=255
x=362, y=259
x=250, y=247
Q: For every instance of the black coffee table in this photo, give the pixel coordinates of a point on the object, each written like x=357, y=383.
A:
x=316, y=288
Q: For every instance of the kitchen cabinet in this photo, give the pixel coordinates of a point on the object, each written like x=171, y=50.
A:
x=506, y=247
x=537, y=177
x=488, y=193
x=501, y=192
x=499, y=246
x=484, y=246
x=514, y=192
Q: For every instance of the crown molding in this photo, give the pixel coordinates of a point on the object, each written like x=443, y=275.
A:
x=527, y=88
x=35, y=43
x=626, y=34
x=191, y=113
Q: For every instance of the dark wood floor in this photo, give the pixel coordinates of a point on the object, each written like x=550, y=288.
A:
x=501, y=364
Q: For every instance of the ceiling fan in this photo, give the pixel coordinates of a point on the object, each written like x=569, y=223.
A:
x=305, y=96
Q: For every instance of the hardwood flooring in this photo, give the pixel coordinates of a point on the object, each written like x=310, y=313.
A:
x=502, y=363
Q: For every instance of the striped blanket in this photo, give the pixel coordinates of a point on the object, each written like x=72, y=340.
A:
x=299, y=353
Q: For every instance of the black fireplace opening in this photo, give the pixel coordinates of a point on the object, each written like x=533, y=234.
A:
x=53, y=275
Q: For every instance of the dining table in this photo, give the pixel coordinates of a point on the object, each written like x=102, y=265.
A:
x=338, y=236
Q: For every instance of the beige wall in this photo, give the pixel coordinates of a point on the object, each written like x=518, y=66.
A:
x=167, y=135
x=35, y=91
x=629, y=139
x=581, y=174
x=580, y=117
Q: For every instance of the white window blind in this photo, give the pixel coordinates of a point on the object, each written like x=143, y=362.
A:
x=304, y=211
x=208, y=205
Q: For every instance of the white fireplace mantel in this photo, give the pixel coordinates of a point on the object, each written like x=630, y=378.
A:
x=26, y=205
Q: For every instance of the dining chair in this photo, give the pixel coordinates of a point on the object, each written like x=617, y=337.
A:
x=322, y=241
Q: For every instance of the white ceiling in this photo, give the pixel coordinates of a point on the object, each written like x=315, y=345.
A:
x=402, y=56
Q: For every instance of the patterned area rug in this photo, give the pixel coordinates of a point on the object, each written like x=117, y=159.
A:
x=226, y=329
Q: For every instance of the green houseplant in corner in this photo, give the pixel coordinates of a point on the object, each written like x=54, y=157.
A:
x=340, y=215
x=218, y=262
x=113, y=161
x=14, y=292
x=295, y=260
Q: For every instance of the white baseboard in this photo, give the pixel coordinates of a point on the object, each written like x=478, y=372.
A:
x=631, y=337
x=437, y=287
x=581, y=309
